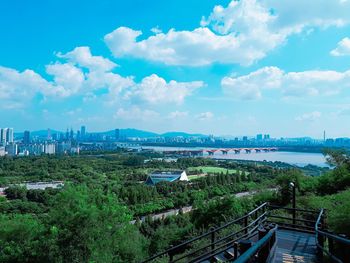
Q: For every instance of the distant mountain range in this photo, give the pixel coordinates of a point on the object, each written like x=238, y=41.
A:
x=123, y=132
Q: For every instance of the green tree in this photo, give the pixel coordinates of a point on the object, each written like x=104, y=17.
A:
x=90, y=226
x=20, y=237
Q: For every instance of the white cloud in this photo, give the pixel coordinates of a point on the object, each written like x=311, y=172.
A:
x=249, y=87
x=243, y=32
x=12, y=81
x=205, y=116
x=70, y=79
x=18, y=88
x=135, y=113
x=343, y=48
x=82, y=57
x=156, y=30
x=309, y=117
x=154, y=89
x=291, y=84
x=177, y=114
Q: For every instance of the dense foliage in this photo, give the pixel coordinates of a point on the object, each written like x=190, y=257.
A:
x=89, y=219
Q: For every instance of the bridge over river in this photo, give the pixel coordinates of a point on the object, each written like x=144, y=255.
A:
x=212, y=151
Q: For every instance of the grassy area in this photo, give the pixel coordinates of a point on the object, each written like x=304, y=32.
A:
x=212, y=169
x=194, y=177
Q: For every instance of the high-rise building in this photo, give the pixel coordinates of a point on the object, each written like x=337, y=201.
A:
x=83, y=132
x=117, y=134
x=49, y=134
x=9, y=135
x=26, y=137
x=266, y=136
x=3, y=136
x=6, y=136
x=67, y=134
x=259, y=137
x=11, y=149
x=49, y=148
x=71, y=134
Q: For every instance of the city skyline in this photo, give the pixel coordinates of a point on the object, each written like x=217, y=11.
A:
x=212, y=67
x=83, y=131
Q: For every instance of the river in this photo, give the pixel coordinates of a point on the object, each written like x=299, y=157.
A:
x=295, y=158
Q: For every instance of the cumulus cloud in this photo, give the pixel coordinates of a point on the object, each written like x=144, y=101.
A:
x=82, y=56
x=205, y=116
x=291, y=84
x=18, y=88
x=309, y=117
x=70, y=78
x=12, y=81
x=242, y=32
x=154, y=89
x=178, y=114
x=342, y=49
x=135, y=113
x=249, y=87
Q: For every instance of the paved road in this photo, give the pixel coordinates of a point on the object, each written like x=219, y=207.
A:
x=187, y=209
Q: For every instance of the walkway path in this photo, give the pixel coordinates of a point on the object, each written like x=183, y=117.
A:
x=295, y=247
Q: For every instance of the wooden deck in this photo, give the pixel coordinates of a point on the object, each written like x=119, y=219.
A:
x=295, y=247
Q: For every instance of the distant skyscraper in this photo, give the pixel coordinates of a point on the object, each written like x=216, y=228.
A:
x=266, y=136
x=55, y=136
x=117, y=134
x=9, y=135
x=71, y=134
x=83, y=132
x=245, y=138
x=3, y=136
x=26, y=137
x=67, y=134
x=49, y=134
x=259, y=137
x=324, y=136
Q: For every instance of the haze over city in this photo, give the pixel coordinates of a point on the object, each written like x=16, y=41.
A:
x=213, y=67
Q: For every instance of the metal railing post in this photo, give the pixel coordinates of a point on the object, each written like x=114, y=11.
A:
x=331, y=246
x=320, y=240
x=263, y=253
x=235, y=250
x=294, y=205
x=171, y=255
x=246, y=224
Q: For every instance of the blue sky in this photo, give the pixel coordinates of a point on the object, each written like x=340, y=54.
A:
x=219, y=67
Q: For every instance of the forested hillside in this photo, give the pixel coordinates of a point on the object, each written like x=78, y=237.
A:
x=88, y=220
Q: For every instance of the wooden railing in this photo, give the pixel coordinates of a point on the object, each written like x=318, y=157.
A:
x=300, y=219
x=336, y=247
x=213, y=240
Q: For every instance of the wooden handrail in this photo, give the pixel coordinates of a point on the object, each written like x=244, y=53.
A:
x=251, y=252
x=320, y=235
